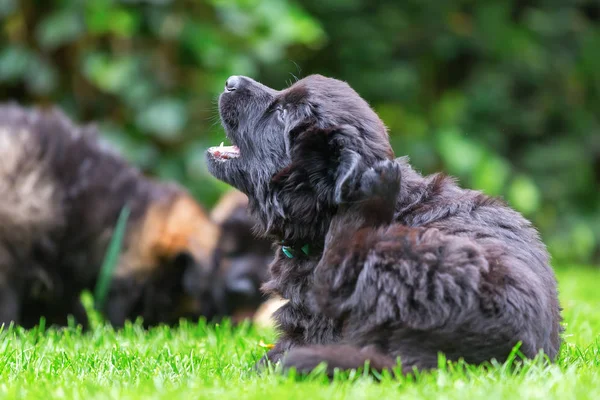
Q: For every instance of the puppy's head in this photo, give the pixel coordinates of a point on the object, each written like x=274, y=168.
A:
x=293, y=149
x=165, y=271
x=241, y=258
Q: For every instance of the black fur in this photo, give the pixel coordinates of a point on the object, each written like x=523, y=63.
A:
x=410, y=265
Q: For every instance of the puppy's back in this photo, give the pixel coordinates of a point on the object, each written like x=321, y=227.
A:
x=61, y=191
x=30, y=199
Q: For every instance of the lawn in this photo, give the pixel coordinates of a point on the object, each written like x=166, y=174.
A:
x=200, y=361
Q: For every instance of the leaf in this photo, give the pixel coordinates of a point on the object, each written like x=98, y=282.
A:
x=450, y=110
x=262, y=344
x=59, y=28
x=164, y=118
x=491, y=174
x=459, y=153
x=7, y=7
x=41, y=77
x=111, y=74
x=583, y=241
x=105, y=18
x=13, y=62
x=138, y=152
x=524, y=195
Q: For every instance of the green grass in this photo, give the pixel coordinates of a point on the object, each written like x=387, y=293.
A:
x=200, y=361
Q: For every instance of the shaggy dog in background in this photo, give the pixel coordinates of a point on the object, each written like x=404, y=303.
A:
x=241, y=261
x=61, y=193
x=377, y=262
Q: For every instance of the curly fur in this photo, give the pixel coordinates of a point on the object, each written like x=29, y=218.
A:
x=406, y=266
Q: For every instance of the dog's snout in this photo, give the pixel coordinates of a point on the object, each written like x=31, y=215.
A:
x=232, y=83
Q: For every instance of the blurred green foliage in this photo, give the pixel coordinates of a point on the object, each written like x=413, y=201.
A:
x=147, y=72
x=503, y=94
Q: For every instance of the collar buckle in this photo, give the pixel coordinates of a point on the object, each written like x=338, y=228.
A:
x=292, y=251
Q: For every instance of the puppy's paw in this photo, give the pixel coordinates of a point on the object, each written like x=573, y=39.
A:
x=370, y=191
x=336, y=357
x=381, y=181
x=378, y=192
x=304, y=360
x=359, y=183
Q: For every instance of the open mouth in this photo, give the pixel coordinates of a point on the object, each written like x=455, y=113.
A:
x=224, y=153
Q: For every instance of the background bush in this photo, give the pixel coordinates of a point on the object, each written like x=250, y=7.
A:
x=503, y=94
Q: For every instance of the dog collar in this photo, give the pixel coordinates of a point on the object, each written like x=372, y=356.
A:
x=293, y=251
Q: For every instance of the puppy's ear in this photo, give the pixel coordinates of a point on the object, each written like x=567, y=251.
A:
x=348, y=175
x=329, y=158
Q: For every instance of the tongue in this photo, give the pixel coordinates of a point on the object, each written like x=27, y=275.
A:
x=225, y=152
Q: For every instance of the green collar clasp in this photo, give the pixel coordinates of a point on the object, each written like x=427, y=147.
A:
x=291, y=251
x=288, y=251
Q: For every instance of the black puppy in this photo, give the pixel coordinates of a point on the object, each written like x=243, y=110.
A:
x=377, y=261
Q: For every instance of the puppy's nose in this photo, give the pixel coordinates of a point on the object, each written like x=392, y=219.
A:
x=232, y=83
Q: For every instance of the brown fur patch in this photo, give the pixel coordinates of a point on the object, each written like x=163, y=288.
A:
x=228, y=203
x=169, y=228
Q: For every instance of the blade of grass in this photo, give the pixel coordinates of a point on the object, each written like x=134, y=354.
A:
x=110, y=259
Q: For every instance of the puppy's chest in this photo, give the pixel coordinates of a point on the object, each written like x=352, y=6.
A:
x=300, y=319
x=304, y=326
x=291, y=278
